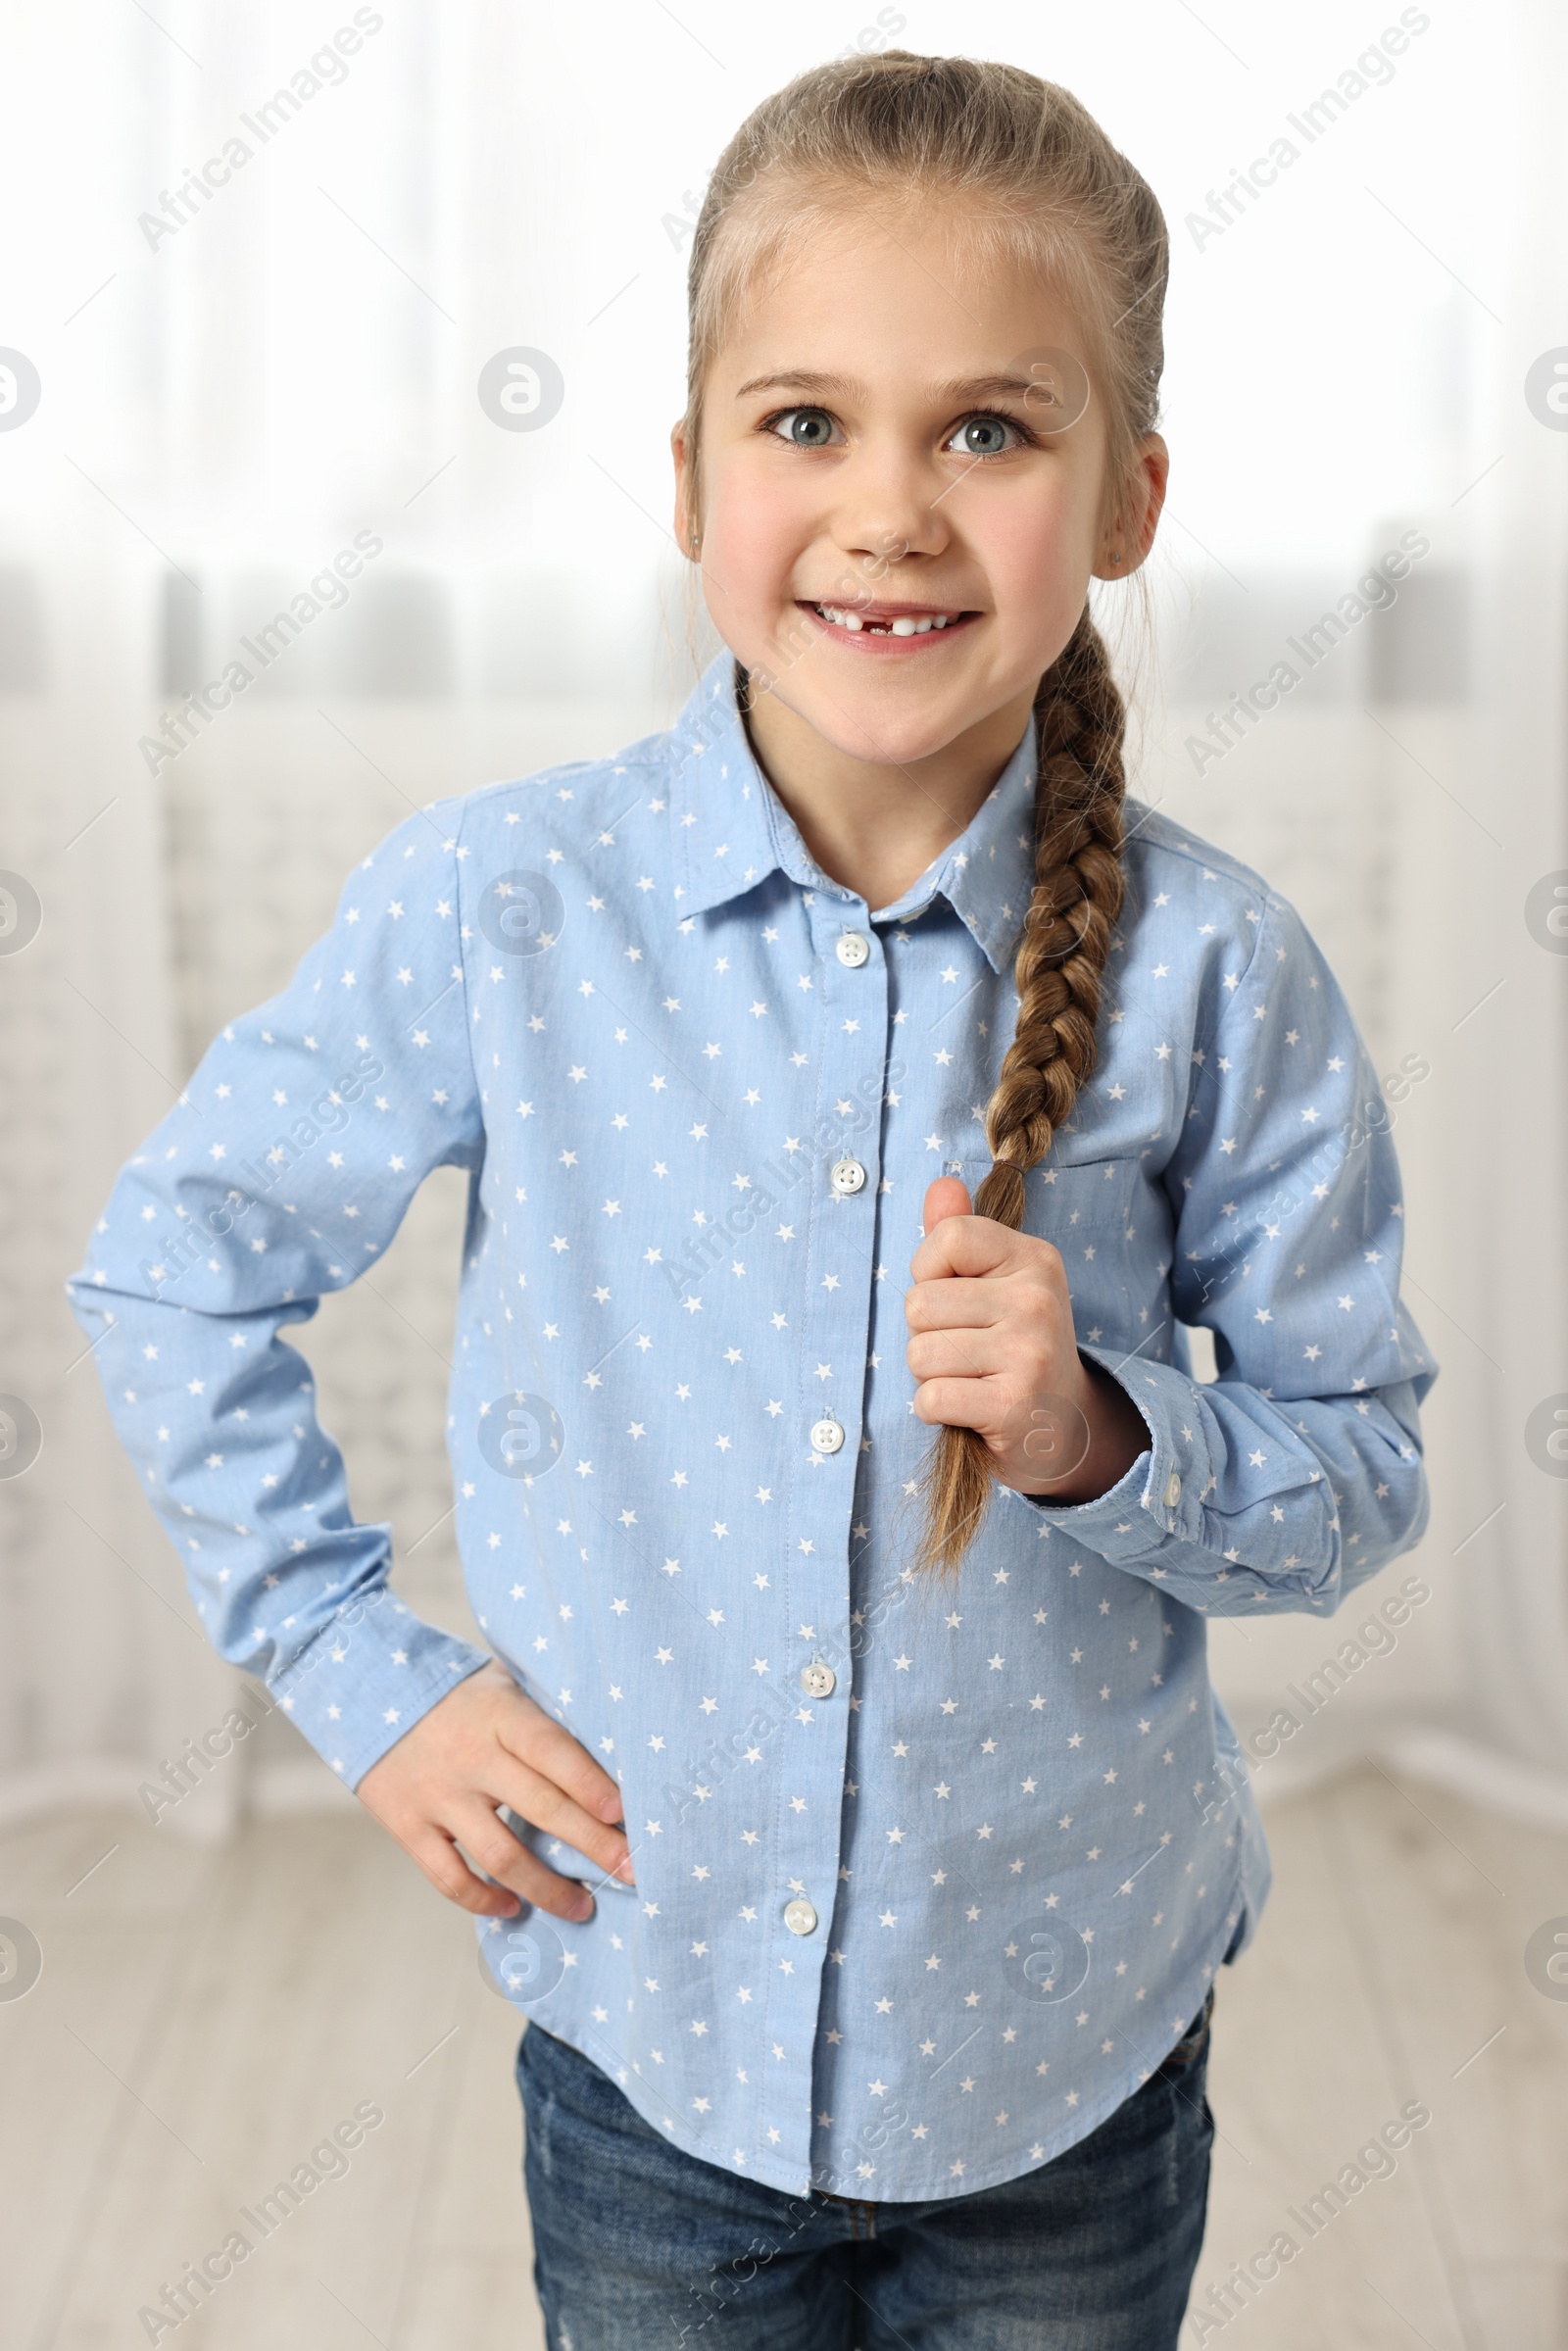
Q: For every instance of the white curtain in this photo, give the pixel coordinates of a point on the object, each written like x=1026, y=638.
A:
x=227, y=401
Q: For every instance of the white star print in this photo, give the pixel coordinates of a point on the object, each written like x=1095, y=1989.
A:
x=655, y=1298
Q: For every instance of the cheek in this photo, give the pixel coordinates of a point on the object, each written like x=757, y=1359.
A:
x=752, y=538
x=1037, y=555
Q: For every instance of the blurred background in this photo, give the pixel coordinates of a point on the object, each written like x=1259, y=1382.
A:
x=219, y=367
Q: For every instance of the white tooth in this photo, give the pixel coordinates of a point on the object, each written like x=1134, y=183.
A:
x=941, y=620
x=903, y=627
x=922, y=628
x=851, y=622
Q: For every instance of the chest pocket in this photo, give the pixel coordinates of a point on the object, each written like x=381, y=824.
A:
x=1090, y=1215
x=1110, y=1228
x=1098, y=1196
x=1076, y=1207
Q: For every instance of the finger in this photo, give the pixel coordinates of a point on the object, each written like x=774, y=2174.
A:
x=955, y=1403
x=504, y=1857
x=960, y=1354
x=549, y=1748
x=546, y=1807
x=946, y=1196
x=450, y=1875
x=957, y=1303
x=968, y=1245
x=426, y=1844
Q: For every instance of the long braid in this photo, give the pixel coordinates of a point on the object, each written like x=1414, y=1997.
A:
x=1079, y=788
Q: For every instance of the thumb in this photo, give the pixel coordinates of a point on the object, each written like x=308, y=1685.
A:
x=948, y=1195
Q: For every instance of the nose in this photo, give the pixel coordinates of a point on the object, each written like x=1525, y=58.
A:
x=889, y=510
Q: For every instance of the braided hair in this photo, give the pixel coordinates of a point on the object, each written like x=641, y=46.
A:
x=1079, y=787
x=1037, y=178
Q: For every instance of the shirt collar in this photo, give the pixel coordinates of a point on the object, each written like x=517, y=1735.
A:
x=731, y=829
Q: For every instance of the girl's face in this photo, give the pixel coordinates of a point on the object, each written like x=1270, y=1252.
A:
x=877, y=448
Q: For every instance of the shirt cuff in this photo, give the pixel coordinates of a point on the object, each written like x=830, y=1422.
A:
x=368, y=1677
x=1157, y=1497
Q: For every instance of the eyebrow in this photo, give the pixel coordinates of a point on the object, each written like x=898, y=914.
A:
x=966, y=388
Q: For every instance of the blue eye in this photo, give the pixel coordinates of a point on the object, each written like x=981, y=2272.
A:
x=984, y=436
x=804, y=427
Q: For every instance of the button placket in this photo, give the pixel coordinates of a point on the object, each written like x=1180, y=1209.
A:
x=833, y=1339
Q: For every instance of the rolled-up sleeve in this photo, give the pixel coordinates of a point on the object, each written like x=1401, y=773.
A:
x=1294, y=1474
x=283, y=1173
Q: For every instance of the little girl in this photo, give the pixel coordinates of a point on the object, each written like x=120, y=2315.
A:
x=853, y=1062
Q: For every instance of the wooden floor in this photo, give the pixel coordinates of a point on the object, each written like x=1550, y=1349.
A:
x=204, y=2020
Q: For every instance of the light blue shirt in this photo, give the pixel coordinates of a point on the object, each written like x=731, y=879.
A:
x=928, y=1879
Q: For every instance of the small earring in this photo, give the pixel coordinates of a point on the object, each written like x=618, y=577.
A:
x=1116, y=559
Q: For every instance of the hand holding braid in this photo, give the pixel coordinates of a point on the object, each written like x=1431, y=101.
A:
x=988, y=1308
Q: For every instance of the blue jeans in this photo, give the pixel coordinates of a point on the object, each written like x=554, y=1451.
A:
x=638, y=2246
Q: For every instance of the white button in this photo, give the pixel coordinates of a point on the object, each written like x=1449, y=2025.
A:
x=854, y=948
x=848, y=1178
x=1173, y=1490
x=818, y=1678
x=828, y=1437
x=799, y=1917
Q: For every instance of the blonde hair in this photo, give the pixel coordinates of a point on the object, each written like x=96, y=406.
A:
x=1039, y=178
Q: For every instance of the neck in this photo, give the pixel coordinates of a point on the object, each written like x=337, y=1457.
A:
x=876, y=826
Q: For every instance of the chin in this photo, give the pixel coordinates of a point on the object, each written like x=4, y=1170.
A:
x=873, y=730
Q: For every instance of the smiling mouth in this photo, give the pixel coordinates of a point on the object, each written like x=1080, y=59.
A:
x=889, y=620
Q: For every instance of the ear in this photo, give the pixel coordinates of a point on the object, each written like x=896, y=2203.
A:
x=1132, y=531
x=684, y=485
x=1153, y=469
